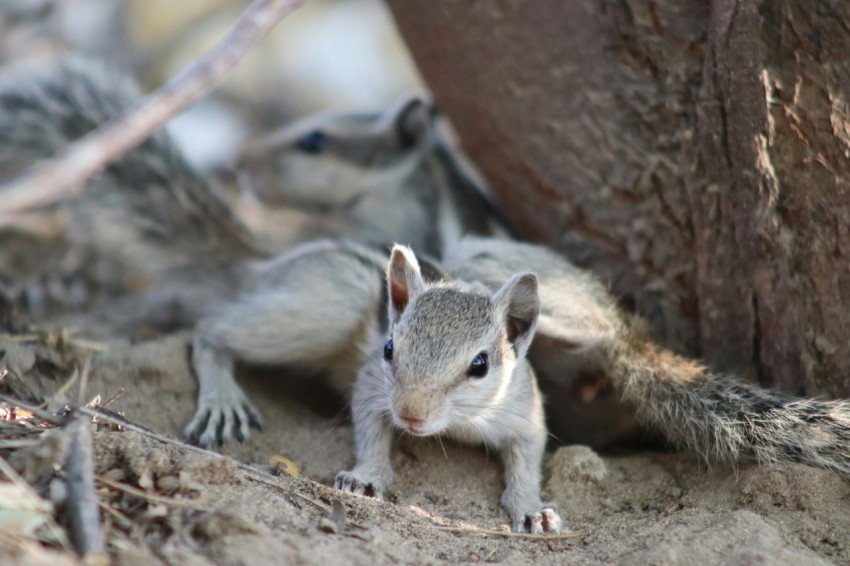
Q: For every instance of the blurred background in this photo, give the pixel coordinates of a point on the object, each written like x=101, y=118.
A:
x=328, y=55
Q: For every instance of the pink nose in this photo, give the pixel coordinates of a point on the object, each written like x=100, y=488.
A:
x=411, y=421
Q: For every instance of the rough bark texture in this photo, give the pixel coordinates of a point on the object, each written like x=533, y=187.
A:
x=696, y=154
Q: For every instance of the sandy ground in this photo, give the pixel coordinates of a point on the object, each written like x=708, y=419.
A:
x=196, y=508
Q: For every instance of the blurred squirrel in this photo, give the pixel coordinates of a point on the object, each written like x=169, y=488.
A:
x=151, y=222
x=373, y=177
x=148, y=221
x=321, y=306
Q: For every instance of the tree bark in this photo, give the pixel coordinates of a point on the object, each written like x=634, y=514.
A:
x=694, y=153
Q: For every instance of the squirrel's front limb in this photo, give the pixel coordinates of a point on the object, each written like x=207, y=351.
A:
x=522, y=458
x=223, y=409
x=373, y=435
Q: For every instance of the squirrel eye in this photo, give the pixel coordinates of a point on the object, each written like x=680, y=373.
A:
x=478, y=367
x=388, y=350
x=312, y=143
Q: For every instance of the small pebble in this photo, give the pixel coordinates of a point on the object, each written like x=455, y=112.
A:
x=328, y=526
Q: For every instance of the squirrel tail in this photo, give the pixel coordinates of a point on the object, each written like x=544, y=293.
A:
x=151, y=207
x=721, y=417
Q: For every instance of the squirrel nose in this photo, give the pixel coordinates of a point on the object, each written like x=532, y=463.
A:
x=411, y=420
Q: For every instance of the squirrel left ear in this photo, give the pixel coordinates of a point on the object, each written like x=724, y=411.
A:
x=518, y=304
x=404, y=280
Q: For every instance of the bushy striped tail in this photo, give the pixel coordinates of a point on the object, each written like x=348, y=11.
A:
x=721, y=417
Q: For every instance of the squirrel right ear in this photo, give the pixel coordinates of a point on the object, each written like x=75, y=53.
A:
x=518, y=303
x=413, y=119
x=404, y=280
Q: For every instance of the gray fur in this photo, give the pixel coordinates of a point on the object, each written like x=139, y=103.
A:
x=150, y=208
x=310, y=310
x=577, y=312
x=437, y=330
x=389, y=177
x=720, y=417
x=149, y=220
x=725, y=418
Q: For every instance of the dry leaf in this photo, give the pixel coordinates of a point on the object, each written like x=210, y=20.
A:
x=284, y=465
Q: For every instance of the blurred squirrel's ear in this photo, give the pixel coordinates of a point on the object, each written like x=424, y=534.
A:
x=414, y=119
x=404, y=281
x=518, y=305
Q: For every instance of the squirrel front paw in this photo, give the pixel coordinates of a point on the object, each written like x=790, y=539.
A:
x=219, y=419
x=354, y=483
x=546, y=521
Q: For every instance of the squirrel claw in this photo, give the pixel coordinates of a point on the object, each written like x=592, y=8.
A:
x=347, y=481
x=217, y=425
x=546, y=521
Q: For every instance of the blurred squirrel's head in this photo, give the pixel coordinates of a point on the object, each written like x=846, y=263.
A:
x=330, y=161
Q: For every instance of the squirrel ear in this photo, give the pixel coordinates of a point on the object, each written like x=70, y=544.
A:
x=404, y=280
x=413, y=120
x=518, y=304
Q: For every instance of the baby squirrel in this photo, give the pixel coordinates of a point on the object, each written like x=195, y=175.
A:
x=316, y=307
x=455, y=365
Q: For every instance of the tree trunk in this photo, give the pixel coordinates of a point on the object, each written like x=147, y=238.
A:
x=695, y=154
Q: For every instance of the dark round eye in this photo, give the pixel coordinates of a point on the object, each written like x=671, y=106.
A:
x=478, y=367
x=313, y=143
x=388, y=350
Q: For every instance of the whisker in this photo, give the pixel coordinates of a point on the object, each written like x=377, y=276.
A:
x=440, y=440
x=363, y=405
x=499, y=409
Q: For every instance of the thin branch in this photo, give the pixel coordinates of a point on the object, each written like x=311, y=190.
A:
x=65, y=174
x=36, y=411
x=82, y=500
x=84, y=383
x=472, y=531
x=253, y=473
x=153, y=497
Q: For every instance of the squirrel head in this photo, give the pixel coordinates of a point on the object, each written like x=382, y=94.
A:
x=330, y=161
x=453, y=349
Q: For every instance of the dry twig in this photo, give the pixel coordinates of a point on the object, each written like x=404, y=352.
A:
x=152, y=497
x=470, y=530
x=36, y=411
x=64, y=175
x=82, y=499
x=84, y=380
x=253, y=473
x=442, y=524
x=75, y=375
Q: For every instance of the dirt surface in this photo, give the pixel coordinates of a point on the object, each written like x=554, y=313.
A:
x=192, y=507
